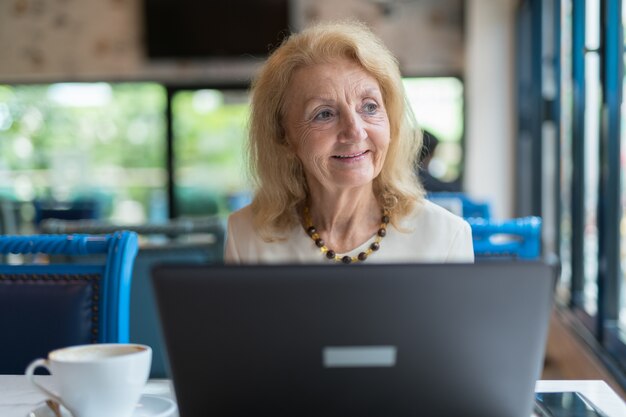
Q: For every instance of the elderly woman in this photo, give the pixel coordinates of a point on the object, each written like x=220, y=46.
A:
x=332, y=151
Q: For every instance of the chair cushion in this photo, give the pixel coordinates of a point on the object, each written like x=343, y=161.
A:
x=41, y=312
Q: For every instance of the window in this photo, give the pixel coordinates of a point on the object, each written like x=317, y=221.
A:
x=566, y=180
x=106, y=142
x=593, y=198
x=438, y=107
x=593, y=101
x=622, y=226
x=210, y=131
x=64, y=143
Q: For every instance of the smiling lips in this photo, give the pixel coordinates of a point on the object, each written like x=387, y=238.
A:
x=351, y=156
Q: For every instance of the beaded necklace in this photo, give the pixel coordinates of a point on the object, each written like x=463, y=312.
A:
x=331, y=254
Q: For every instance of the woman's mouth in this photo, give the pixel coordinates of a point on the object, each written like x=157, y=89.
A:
x=352, y=156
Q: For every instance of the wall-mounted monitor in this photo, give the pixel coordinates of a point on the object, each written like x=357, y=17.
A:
x=208, y=28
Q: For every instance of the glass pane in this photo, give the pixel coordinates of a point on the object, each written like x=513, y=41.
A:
x=438, y=107
x=209, y=136
x=563, y=291
x=591, y=180
x=62, y=145
x=622, y=308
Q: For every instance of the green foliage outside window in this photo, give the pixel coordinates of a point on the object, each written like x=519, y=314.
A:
x=64, y=141
x=210, y=131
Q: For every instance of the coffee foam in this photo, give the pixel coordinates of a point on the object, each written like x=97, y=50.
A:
x=95, y=352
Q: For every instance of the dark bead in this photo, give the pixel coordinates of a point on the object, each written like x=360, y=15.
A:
x=319, y=242
x=346, y=259
x=385, y=219
x=374, y=246
x=311, y=230
x=382, y=232
x=362, y=256
x=330, y=254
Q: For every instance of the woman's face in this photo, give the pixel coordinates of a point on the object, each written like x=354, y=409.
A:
x=336, y=122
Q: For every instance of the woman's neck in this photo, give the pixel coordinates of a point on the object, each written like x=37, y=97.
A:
x=347, y=219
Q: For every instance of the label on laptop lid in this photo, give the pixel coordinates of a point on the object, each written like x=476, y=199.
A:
x=359, y=356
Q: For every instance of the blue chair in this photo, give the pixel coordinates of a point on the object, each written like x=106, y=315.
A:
x=46, y=303
x=515, y=238
x=197, y=240
x=460, y=204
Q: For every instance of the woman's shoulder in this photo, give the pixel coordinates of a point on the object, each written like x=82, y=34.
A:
x=245, y=245
x=429, y=213
x=240, y=222
x=435, y=235
x=242, y=215
x=240, y=236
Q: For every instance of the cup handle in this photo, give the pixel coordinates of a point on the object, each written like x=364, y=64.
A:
x=40, y=363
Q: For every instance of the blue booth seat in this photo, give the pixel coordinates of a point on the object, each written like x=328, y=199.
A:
x=46, y=304
x=515, y=238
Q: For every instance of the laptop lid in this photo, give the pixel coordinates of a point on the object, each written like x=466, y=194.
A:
x=363, y=340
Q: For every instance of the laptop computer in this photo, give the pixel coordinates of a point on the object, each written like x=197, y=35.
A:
x=361, y=340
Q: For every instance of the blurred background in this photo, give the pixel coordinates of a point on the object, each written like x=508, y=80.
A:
x=135, y=112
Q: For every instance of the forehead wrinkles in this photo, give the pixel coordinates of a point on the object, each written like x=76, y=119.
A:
x=360, y=85
x=330, y=79
x=348, y=86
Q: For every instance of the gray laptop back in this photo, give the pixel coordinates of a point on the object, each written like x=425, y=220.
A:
x=366, y=340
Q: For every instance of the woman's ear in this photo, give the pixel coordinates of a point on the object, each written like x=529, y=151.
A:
x=286, y=141
x=290, y=148
x=282, y=134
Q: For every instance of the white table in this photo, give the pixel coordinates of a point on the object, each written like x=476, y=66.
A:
x=597, y=391
x=17, y=397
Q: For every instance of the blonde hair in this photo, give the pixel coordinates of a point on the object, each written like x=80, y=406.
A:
x=278, y=173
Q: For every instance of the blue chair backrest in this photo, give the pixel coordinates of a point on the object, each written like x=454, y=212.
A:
x=515, y=238
x=50, y=304
x=144, y=320
x=461, y=204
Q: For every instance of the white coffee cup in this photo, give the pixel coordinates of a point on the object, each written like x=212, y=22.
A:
x=98, y=380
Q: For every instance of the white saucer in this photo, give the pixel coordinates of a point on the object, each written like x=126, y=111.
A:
x=148, y=406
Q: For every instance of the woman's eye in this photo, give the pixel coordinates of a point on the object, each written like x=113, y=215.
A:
x=370, y=107
x=323, y=115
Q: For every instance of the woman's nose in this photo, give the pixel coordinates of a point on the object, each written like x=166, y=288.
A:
x=352, y=128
